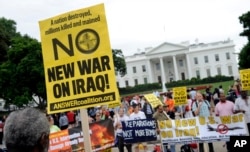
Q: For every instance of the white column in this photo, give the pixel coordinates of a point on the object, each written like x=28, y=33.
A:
x=175, y=69
x=164, y=89
x=149, y=71
x=188, y=67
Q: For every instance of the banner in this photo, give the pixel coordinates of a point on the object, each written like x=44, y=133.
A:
x=78, y=61
x=139, y=130
x=66, y=140
x=245, y=79
x=153, y=100
x=101, y=135
x=180, y=96
x=202, y=129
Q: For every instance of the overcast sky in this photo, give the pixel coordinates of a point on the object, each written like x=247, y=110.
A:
x=137, y=24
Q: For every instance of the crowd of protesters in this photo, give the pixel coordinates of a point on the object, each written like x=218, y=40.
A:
x=219, y=102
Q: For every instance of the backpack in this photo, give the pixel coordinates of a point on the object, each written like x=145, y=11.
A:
x=186, y=148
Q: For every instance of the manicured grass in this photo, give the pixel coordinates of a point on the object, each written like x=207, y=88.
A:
x=225, y=85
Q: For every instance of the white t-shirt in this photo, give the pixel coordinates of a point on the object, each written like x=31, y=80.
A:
x=119, y=119
x=136, y=116
x=241, y=104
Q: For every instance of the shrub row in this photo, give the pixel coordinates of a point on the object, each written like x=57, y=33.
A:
x=157, y=86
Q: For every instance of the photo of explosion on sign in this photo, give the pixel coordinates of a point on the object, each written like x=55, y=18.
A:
x=102, y=135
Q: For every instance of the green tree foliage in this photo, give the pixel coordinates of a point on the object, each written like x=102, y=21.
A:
x=119, y=61
x=21, y=71
x=244, y=56
x=7, y=30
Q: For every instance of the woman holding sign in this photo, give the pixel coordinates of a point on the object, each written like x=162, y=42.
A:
x=119, y=118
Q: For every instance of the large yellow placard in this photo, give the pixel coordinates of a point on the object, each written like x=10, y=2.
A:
x=245, y=79
x=78, y=61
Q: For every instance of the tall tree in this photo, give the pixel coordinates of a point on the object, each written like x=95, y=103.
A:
x=244, y=55
x=21, y=71
x=119, y=61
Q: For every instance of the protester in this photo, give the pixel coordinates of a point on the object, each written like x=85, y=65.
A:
x=27, y=130
x=148, y=109
x=170, y=106
x=63, y=122
x=187, y=108
x=216, y=96
x=224, y=108
x=118, y=119
x=171, y=110
x=98, y=116
x=136, y=115
x=242, y=105
x=192, y=93
x=53, y=128
x=202, y=107
x=71, y=118
x=160, y=115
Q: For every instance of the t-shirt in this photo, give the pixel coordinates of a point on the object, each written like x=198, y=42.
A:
x=204, y=109
x=241, y=104
x=54, y=128
x=136, y=116
x=224, y=109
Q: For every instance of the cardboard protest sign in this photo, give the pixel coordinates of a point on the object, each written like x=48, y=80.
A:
x=101, y=134
x=78, y=63
x=180, y=95
x=245, y=79
x=153, y=100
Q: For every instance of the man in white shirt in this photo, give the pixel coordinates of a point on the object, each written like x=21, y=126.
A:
x=136, y=115
x=242, y=104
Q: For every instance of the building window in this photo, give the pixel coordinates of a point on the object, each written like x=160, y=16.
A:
x=157, y=66
x=219, y=71
x=145, y=81
x=136, y=82
x=134, y=69
x=182, y=76
x=117, y=84
x=143, y=68
x=181, y=63
x=126, y=83
x=217, y=57
x=206, y=59
x=169, y=64
x=198, y=74
x=159, y=79
x=195, y=60
x=208, y=73
x=230, y=70
x=228, y=56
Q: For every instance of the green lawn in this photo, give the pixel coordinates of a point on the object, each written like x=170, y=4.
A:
x=225, y=85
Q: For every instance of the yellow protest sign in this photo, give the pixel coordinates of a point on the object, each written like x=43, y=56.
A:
x=245, y=79
x=153, y=100
x=78, y=63
x=180, y=95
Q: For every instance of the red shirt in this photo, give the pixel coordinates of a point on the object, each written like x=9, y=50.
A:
x=71, y=116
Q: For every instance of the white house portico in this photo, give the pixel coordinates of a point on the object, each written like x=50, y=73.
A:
x=170, y=62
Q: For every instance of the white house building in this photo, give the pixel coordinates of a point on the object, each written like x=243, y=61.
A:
x=168, y=62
